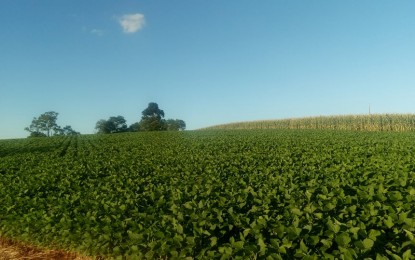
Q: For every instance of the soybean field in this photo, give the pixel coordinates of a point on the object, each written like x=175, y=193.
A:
x=237, y=194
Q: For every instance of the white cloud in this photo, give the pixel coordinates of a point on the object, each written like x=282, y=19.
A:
x=132, y=23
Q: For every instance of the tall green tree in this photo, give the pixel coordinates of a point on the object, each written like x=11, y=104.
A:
x=44, y=125
x=152, y=118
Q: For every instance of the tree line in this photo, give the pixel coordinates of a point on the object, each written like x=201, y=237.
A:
x=152, y=119
x=45, y=125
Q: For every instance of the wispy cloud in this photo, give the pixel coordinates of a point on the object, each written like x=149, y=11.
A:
x=97, y=32
x=132, y=23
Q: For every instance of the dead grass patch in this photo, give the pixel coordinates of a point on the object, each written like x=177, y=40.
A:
x=12, y=250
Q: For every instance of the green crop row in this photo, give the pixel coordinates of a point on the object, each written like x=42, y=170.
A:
x=375, y=122
x=214, y=194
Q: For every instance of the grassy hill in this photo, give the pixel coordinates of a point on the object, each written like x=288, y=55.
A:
x=375, y=122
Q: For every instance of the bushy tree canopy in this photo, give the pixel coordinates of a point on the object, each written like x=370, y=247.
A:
x=152, y=118
x=135, y=127
x=175, y=125
x=153, y=110
x=115, y=124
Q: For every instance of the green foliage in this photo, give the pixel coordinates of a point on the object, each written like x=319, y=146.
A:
x=153, y=120
x=135, y=127
x=66, y=130
x=373, y=122
x=153, y=110
x=213, y=194
x=152, y=123
x=37, y=134
x=175, y=125
x=45, y=125
x=115, y=124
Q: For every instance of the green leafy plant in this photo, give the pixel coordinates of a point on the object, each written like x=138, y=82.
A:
x=213, y=194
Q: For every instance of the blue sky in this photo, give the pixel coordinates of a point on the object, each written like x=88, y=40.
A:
x=204, y=61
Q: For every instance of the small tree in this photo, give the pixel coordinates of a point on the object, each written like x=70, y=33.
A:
x=115, y=124
x=102, y=127
x=118, y=124
x=175, y=125
x=67, y=130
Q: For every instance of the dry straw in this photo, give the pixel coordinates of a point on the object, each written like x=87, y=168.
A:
x=11, y=250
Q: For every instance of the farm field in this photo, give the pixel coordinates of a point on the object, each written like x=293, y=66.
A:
x=371, y=122
x=237, y=194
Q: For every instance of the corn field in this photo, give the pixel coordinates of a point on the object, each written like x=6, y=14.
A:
x=376, y=122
